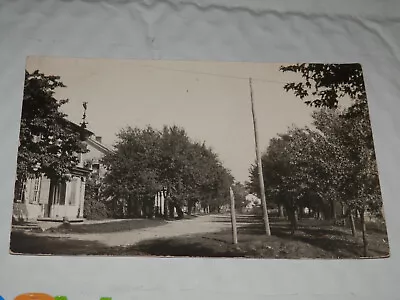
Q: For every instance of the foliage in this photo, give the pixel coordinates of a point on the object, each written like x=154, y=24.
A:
x=240, y=193
x=355, y=158
x=313, y=168
x=95, y=206
x=147, y=161
x=333, y=163
x=47, y=144
x=95, y=210
x=323, y=85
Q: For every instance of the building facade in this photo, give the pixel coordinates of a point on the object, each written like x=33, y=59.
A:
x=43, y=198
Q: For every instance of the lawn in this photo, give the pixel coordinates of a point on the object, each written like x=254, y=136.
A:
x=107, y=227
x=312, y=240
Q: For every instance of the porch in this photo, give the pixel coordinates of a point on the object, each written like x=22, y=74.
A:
x=45, y=199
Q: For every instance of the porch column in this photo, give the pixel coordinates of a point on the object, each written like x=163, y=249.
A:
x=158, y=199
x=77, y=195
x=80, y=158
x=161, y=195
x=82, y=197
x=67, y=195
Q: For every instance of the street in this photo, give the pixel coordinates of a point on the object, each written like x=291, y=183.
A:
x=198, y=225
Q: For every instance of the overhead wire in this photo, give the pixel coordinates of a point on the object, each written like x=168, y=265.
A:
x=213, y=74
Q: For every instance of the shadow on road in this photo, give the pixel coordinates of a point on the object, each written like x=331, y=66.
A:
x=194, y=247
x=241, y=219
x=22, y=243
x=108, y=227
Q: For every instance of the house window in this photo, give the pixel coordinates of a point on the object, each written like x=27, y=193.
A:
x=74, y=186
x=34, y=199
x=62, y=190
x=19, y=192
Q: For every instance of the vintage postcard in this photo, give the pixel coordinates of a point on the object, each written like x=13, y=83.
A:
x=196, y=159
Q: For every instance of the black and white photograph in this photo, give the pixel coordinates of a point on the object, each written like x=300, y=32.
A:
x=196, y=159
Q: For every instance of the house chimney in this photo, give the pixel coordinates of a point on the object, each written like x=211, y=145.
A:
x=98, y=139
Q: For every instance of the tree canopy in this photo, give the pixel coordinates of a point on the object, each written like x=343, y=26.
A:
x=333, y=164
x=147, y=161
x=48, y=145
x=240, y=193
x=323, y=85
x=347, y=132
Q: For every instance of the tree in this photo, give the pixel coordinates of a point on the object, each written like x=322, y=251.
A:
x=276, y=171
x=132, y=178
x=192, y=172
x=147, y=161
x=219, y=184
x=323, y=85
x=95, y=205
x=313, y=168
x=357, y=164
x=48, y=144
x=240, y=193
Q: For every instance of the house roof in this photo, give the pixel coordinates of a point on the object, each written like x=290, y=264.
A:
x=99, y=146
x=92, y=142
x=77, y=128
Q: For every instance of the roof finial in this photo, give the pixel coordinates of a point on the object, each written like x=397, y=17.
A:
x=84, y=123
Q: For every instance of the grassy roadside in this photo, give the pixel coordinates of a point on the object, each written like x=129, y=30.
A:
x=108, y=227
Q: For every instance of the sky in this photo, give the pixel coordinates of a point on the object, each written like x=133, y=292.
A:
x=211, y=100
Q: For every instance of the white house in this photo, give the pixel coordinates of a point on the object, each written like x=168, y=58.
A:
x=252, y=202
x=45, y=199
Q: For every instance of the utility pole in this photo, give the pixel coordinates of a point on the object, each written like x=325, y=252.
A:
x=233, y=217
x=259, y=164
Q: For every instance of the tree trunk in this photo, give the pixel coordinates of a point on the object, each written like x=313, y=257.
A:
x=190, y=207
x=301, y=213
x=138, y=213
x=292, y=215
x=333, y=210
x=294, y=223
x=143, y=209
x=364, y=233
x=171, y=210
x=114, y=206
x=149, y=207
x=129, y=208
x=152, y=211
x=179, y=211
x=352, y=224
x=166, y=206
x=319, y=214
x=281, y=212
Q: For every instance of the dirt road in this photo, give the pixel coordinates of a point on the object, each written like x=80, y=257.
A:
x=198, y=225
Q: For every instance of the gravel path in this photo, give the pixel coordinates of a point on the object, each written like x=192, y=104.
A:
x=199, y=225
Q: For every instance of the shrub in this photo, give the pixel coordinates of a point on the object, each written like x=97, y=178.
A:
x=95, y=210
